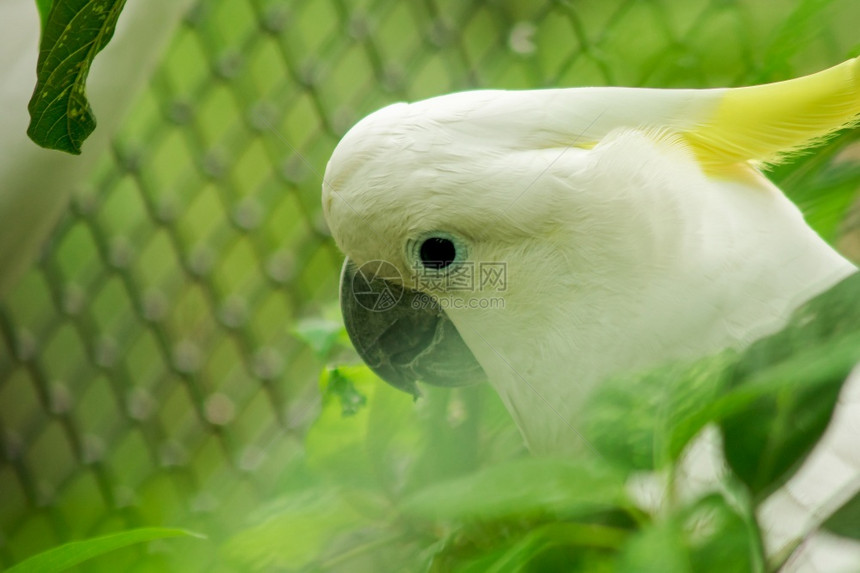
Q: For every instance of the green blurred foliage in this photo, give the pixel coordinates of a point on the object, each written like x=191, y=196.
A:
x=846, y=521
x=66, y=556
x=535, y=514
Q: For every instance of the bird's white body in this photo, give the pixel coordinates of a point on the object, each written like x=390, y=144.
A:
x=681, y=264
x=634, y=225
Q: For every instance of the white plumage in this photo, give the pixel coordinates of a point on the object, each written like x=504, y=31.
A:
x=622, y=249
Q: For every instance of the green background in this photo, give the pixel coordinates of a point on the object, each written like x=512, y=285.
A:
x=151, y=372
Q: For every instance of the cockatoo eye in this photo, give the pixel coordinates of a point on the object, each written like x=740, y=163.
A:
x=437, y=250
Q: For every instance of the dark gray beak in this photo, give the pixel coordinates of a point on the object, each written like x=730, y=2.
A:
x=402, y=334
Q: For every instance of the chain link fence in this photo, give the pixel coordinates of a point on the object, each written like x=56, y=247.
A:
x=148, y=370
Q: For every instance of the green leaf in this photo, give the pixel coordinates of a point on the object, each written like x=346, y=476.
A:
x=711, y=536
x=371, y=436
x=368, y=448
x=65, y=556
x=722, y=535
x=335, y=443
x=658, y=549
x=556, y=546
x=644, y=421
x=822, y=185
x=44, y=7
x=846, y=520
x=337, y=384
x=461, y=429
x=785, y=387
x=75, y=31
x=773, y=401
x=520, y=488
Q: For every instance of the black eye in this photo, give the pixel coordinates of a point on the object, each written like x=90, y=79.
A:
x=437, y=253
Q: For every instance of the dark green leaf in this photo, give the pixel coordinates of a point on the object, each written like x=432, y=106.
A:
x=846, y=520
x=522, y=487
x=75, y=31
x=44, y=7
x=774, y=400
x=787, y=385
x=341, y=387
x=65, y=556
x=643, y=421
x=723, y=536
x=557, y=556
x=557, y=546
x=453, y=444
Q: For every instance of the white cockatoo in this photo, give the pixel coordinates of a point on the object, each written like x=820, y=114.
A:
x=36, y=183
x=633, y=227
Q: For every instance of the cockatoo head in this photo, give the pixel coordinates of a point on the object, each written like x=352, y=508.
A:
x=418, y=184
x=548, y=239
x=433, y=189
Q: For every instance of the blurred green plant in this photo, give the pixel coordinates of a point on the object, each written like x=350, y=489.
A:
x=68, y=555
x=388, y=483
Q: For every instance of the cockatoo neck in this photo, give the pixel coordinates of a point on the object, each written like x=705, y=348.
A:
x=684, y=265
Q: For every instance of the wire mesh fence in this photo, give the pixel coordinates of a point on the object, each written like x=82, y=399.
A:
x=148, y=370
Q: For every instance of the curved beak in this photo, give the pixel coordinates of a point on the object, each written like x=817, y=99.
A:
x=402, y=334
